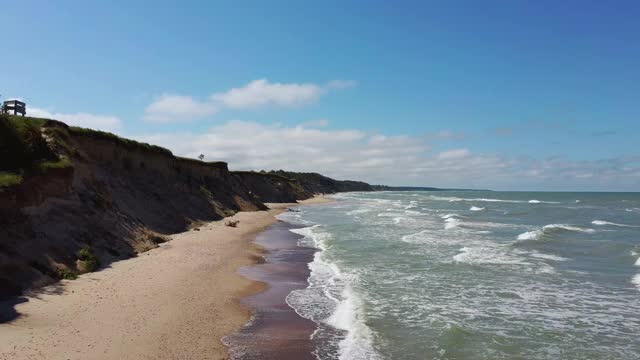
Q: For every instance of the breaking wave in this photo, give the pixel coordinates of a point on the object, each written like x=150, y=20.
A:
x=330, y=299
x=602, y=223
x=456, y=199
x=636, y=281
x=547, y=229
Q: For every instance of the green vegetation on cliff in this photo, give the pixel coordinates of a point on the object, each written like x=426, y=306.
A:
x=316, y=183
x=126, y=143
x=24, y=149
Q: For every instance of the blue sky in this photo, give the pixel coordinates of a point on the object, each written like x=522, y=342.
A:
x=521, y=95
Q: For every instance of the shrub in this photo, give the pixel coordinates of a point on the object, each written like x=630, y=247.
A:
x=9, y=179
x=91, y=262
x=65, y=273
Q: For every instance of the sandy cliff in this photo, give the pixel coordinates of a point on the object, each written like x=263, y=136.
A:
x=110, y=196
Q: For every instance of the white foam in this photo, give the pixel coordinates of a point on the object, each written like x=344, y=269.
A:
x=567, y=227
x=476, y=208
x=487, y=255
x=539, y=255
x=456, y=199
x=451, y=223
x=542, y=202
x=636, y=281
x=390, y=214
x=530, y=235
x=637, y=263
x=323, y=301
x=602, y=223
x=449, y=216
x=293, y=217
x=312, y=238
x=413, y=212
x=536, y=234
x=348, y=316
x=359, y=211
x=412, y=238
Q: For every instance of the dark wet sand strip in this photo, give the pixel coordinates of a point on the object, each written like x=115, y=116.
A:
x=276, y=330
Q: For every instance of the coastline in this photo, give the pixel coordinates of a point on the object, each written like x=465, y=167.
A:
x=276, y=330
x=176, y=301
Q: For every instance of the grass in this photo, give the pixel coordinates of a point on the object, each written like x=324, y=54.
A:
x=22, y=143
x=198, y=162
x=295, y=183
x=62, y=163
x=9, y=179
x=91, y=262
x=127, y=143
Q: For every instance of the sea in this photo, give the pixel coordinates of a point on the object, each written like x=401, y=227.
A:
x=471, y=275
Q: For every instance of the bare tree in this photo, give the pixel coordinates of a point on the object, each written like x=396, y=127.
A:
x=201, y=157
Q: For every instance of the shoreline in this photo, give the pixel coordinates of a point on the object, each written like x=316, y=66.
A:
x=276, y=330
x=175, y=301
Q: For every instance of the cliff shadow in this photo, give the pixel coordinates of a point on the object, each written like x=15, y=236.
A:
x=8, y=311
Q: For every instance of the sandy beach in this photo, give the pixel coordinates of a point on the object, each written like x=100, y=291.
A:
x=173, y=302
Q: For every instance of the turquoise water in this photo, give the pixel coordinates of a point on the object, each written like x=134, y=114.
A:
x=473, y=275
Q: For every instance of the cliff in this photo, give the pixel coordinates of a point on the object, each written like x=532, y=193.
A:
x=315, y=183
x=272, y=188
x=74, y=199
x=71, y=199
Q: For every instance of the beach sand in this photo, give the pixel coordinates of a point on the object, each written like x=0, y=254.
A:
x=173, y=302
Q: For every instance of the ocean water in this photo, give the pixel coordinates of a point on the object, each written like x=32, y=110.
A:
x=472, y=275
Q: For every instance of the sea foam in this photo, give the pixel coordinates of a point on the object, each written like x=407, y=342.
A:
x=602, y=223
x=457, y=199
x=537, y=234
x=476, y=208
x=451, y=223
x=348, y=316
x=330, y=298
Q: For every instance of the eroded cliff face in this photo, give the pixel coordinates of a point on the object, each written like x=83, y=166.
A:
x=115, y=199
x=270, y=188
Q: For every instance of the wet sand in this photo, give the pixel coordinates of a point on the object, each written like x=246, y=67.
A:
x=276, y=331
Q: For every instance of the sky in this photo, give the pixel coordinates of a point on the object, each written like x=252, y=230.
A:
x=503, y=95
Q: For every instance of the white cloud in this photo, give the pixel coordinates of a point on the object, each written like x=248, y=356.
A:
x=395, y=160
x=100, y=122
x=257, y=93
x=261, y=92
x=170, y=108
x=453, y=154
